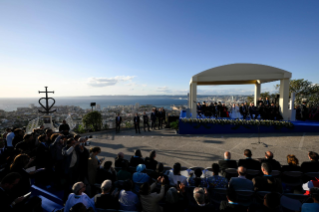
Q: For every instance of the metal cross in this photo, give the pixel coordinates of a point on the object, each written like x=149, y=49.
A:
x=46, y=107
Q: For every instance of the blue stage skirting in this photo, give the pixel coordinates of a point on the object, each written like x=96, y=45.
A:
x=209, y=128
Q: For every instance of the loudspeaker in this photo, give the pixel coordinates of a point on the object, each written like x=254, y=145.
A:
x=93, y=104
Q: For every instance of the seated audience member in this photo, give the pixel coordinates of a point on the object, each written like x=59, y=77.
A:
x=139, y=177
x=137, y=159
x=227, y=163
x=267, y=182
x=174, y=201
x=150, y=162
x=271, y=203
x=312, y=207
x=119, y=159
x=7, y=201
x=196, y=180
x=80, y=207
x=312, y=165
x=107, y=173
x=176, y=176
x=93, y=164
x=27, y=145
x=240, y=182
x=231, y=205
x=269, y=158
x=124, y=173
x=200, y=196
x=128, y=200
x=4, y=152
x=150, y=200
x=293, y=163
x=78, y=196
x=215, y=180
x=249, y=163
x=18, y=137
x=106, y=200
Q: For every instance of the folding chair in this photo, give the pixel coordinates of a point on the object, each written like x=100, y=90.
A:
x=184, y=171
x=312, y=175
x=217, y=194
x=302, y=198
x=275, y=173
x=296, y=177
x=208, y=172
x=231, y=172
x=251, y=173
x=289, y=203
x=244, y=197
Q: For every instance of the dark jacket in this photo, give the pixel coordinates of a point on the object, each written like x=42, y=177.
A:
x=23, y=187
x=153, y=116
x=243, y=110
x=250, y=163
x=225, y=164
x=275, y=165
x=104, y=174
x=5, y=201
x=106, y=201
x=43, y=157
x=118, y=121
x=267, y=183
x=136, y=119
x=310, y=166
x=64, y=127
x=227, y=207
x=135, y=161
x=150, y=163
x=145, y=118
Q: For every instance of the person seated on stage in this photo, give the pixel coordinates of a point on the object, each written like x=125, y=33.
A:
x=195, y=179
x=249, y=163
x=266, y=111
x=312, y=165
x=227, y=163
x=260, y=100
x=312, y=207
x=216, y=110
x=253, y=111
x=231, y=205
x=199, y=109
x=267, y=182
x=137, y=158
x=219, y=109
x=298, y=112
x=243, y=110
x=215, y=180
x=212, y=109
x=224, y=111
x=240, y=182
x=150, y=161
x=269, y=158
x=64, y=128
x=208, y=112
x=260, y=110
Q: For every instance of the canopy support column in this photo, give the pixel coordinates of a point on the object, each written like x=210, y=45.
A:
x=257, y=93
x=193, y=98
x=283, y=98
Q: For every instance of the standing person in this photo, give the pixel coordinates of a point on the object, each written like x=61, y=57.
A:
x=199, y=109
x=160, y=118
x=136, y=121
x=243, y=111
x=235, y=112
x=253, y=111
x=224, y=110
x=267, y=102
x=118, y=121
x=153, y=119
x=145, y=122
x=220, y=109
x=204, y=107
x=64, y=128
x=304, y=111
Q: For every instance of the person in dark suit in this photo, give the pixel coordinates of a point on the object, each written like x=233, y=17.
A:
x=118, y=121
x=231, y=205
x=224, y=110
x=249, y=163
x=161, y=118
x=106, y=200
x=269, y=158
x=199, y=109
x=253, y=111
x=226, y=163
x=312, y=165
x=136, y=121
x=64, y=128
x=220, y=109
x=243, y=110
x=145, y=122
x=304, y=111
x=260, y=110
x=212, y=109
x=267, y=182
x=260, y=101
x=267, y=102
x=7, y=201
x=153, y=119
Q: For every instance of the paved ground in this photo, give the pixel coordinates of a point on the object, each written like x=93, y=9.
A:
x=194, y=150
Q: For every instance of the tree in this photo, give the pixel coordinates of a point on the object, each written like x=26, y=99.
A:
x=93, y=119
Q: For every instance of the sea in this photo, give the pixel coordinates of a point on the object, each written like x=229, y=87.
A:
x=11, y=104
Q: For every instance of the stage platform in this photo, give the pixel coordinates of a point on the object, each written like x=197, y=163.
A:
x=210, y=128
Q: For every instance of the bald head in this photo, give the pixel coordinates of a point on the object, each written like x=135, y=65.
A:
x=269, y=155
x=241, y=171
x=227, y=155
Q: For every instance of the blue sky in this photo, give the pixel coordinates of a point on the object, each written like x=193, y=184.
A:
x=140, y=47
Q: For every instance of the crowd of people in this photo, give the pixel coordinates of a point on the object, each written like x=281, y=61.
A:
x=264, y=109
x=63, y=161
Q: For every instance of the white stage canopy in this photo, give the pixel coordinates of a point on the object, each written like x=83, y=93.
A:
x=242, y=73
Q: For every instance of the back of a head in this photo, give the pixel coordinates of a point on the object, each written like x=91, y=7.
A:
x=159, y=168
x=215, y=168
x=242, y=171
x=144, y=189
x=107, y=165
x=199, y=195
x=152, y=154
x=313, y=156
x=227, y=155
x=266, y=167
x=177, y=168
x=270, y=155
x=247, y=153
x=272, y=200
x=106, y=185
x=292, y=160
x=10, y=178
x=138, y=153
x=79, y=207
x=198, y=172
x=77, y=187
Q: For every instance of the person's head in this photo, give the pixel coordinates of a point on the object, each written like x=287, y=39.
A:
x=159, y=167
x=43, y=138
x=199, y=195
x=128, y=185
x=78, y=188
x=63, y=122
x=242, y=104
x=70, y=142
x=95, y=150
x=267, y=98
x=313, y=156
x=269, y=155
x=260, y=98
x=8, y=130
x=227, y=155
x=198, y=172
x=145, y=189
x=177, y=168
x=223, y=104
x=245, y=103
x=49, y=132
x=272, y=104
x=231, y=195
x=106, y=186
x=272, y=200
x=247, y=153
x=138, y=153
x=42, y=127
x=136, y=114
x=20, y=161
x=78, y=207
x=144, y=113
x=152, y=154
x=118, y=114
x=140, y=168
x=292, y=160
x=241, y=171
x=120, y=155
x=314, y=193
x=266, y=168
x=172, y=196
x=215, y=168
x=10, y=180
x=107, y=165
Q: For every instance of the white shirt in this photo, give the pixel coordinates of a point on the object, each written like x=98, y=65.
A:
x=175, y=178
x=10, y=137
x=74, y=199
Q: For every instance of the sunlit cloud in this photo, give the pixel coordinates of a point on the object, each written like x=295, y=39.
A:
x=105, y=81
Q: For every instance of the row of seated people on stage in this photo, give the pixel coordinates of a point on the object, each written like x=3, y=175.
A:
x=307, y=112
x=65, y=163
x=237, y=111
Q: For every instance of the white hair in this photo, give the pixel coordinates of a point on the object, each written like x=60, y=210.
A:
x=77, y=187
x=106, y=185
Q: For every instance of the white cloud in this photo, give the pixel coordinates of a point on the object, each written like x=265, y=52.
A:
x=104, y=81
x=163, y=89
